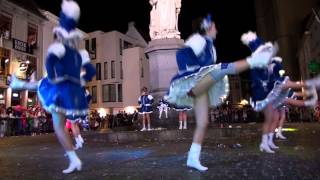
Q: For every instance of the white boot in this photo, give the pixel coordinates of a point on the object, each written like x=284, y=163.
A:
x=194, y=157
x=270, y=141
x=185, y=125
x=149, y=127
x=80, y=139
x=75, y=163
x=160, y=114
x=264, y=147
x=314, y=82
x=279, y=134
x=16, y=83
x=313, y=100
x=180, y=125
x=143, y=128
x=79, y=142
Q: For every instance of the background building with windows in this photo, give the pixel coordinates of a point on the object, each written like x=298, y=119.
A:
x=122, y=69
x=278, y=21
x=20, y=48
x=309, y=50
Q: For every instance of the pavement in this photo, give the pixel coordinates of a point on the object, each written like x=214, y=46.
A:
x=229, y=153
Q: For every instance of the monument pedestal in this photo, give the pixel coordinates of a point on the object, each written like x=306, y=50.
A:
x=162, y=64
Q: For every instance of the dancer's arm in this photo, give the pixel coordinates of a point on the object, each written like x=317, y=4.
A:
x=90, y=71
x=294, y=85
x=55, y=52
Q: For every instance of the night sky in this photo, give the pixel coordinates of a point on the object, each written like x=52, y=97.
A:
x=227, y=14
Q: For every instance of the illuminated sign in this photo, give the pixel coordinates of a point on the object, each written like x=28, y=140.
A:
x=21, y=46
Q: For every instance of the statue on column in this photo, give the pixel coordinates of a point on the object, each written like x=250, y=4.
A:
x=164, y=19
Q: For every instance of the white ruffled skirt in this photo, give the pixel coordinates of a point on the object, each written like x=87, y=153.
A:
x=180, y=87
x=276, y=96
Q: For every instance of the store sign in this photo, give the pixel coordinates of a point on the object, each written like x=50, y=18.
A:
x=21, y=46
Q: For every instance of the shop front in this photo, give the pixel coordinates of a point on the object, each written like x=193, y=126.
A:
x=4, y=72
x=23, y=66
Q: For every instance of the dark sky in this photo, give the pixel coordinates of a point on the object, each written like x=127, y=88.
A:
x=232, y=17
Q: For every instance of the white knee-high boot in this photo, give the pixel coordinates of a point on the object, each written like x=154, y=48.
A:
x=270, y=141
x=194, y=157
x=264, y=147
x=185, y=125
x=75, y=163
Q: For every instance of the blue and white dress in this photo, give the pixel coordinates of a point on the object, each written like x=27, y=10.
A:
x=182, y=108
x=196, y=60
x=145, y=102
x=163, y=105
x=278, y=80
x=267, y=86
x=62, y=90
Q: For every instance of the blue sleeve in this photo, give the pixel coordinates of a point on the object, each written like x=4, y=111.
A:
x=50, y=63
x=186, y=56
x=90, y=72
x=89, y=97
x=276, y=71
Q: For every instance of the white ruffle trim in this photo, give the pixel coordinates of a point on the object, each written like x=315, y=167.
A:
x=53, y=108
x=276, y=96
x=180, y=87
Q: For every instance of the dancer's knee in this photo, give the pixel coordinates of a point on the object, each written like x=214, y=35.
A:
x=226, y=68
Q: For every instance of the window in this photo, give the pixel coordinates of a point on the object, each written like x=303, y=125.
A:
x=94, y=94
x=32, y=35
x=105, y=70
x=5, y=26
x=98, y=71
x=109, y=93
x=120, y=46
x=93, y=44
x=88, y=45
x=127, y=45
x=91, y=47
x=112, y=69
x=142, y=70
x=121, y=70
x=119, y=92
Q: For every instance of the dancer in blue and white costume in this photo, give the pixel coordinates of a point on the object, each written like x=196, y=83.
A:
x=270, y=92
x=277, y=73
x=62, y=92
x=201, y=82
x=163, y=106
x=145, y=101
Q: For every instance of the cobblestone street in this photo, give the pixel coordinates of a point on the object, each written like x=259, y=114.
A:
x=228, y=156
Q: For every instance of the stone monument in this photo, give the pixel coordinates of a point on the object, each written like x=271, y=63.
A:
x=165, y=41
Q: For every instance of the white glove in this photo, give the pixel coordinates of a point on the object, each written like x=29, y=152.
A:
x=314, y=82
x=262, y=56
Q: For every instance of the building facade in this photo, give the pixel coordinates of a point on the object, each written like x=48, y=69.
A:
x=122, y=69
x=283, y=21
x=309, y=51
x=20, y=48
